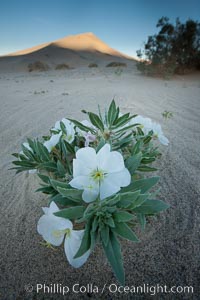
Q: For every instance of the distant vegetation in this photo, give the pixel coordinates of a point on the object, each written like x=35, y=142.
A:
x=62, y=67
x=167, y=114
x=38, y=66
x=116, y=64
x=175, y=49
x=92, y=65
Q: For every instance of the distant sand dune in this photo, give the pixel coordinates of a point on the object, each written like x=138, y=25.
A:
x=76, y=50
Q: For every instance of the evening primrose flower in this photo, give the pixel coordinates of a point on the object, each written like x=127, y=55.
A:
x=147, y=125
x=99, y=174
x=55, y=229
x=69, y=128
x=158, y=133
x=53, y=141
x=144, y=123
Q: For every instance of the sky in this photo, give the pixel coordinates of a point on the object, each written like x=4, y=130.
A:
x=122, y=24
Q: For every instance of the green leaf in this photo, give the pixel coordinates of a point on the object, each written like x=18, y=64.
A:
x=63, y=128
x=25, y=163
x=48, y=166
x=69, y=147
x=128, y=198
x=113, y=253
x=112, y=112
x=74, y=194
x=125, y=231
x=133, y=162
x=44, y=178
x=138, y=202
x=137, y=147
x=150, y=207
x=105, y=235
x=59, y=199
x=43, y=152
x=125, y=128
x=109, y=222
x=112, y=201
x=101, y=143
x=122, y=216
x=95, y=224
x=96, y=121
x=147, y=160
x=146, y=169
x=93, y=237
x=82, y=127
x=60, y=168
x=27, y=153
x=71, y=212
x=86, y=240
x=142, y=220
x=59, y=184
x=141, y=184
x=124, y=119
x=46, y=189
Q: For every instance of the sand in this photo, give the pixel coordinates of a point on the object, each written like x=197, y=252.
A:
x=168, y=253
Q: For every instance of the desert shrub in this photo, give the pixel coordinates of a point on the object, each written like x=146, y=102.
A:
x=38, y=66
x=175, y=49
x=116, y=64
x=92, y=65
x=62, y=67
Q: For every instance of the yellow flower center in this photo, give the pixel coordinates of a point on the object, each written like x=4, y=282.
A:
x=59, y=233
x=98, y=175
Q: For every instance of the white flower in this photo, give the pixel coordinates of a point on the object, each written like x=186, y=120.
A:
x=99, y=174
x=54, y=229
x=50, y=144
x=158, y=133
x=145, y=123
x=148, y=125
x=88, y=136
x=69, y=127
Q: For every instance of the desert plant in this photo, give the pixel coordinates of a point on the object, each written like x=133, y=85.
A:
x=119, y=71
x=93, y=172
x=167, y=114
x=38, y=66
x=62, y=67
x=175, y=49
x=116, y=64
x=92, y=65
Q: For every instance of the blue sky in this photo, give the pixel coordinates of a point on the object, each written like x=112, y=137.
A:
x=123, y=24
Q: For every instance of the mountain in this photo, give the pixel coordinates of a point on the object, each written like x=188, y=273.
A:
x=75, y=50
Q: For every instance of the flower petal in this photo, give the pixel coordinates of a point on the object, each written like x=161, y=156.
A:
x=90, y=194
x=47, y=227
x=80, y=182
x=108, y=188
x=50, y=144
x=52, y=208
x=109, y=161
x=122, y=178
x=88, y=156
x=91, y=189
x=71, y=246
x=163, y=140
x=57, y=126
x=113, y=182
x=80, y=168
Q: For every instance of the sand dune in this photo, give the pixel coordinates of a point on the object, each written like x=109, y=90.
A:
x=76, y=51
